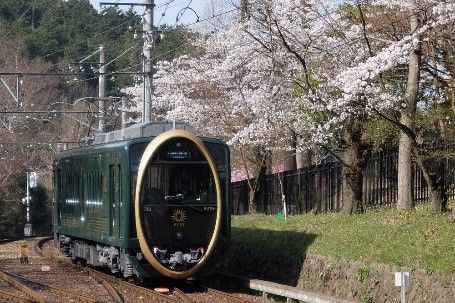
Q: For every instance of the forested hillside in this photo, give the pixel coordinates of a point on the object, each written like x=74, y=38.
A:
x=43, y=80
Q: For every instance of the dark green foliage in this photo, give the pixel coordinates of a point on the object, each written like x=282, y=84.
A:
x=9, y=225
x=65, y=32
x=172, y=43
x=54, y=36
x=41, y=211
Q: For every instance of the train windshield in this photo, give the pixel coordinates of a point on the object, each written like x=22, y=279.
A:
x=178, y=174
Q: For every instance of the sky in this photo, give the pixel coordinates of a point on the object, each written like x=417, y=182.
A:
x=201, y=7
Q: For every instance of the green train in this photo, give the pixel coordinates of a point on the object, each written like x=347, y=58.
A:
x=146, y=201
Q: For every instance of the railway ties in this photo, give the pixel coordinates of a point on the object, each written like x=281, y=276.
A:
x=115, y=295
x=10, y=291
x=226, y=296
x=145, y=292
x=107, y=281
x=115, y=286
x=182, y=296
x=37, y=291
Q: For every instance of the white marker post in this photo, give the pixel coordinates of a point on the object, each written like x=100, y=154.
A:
x=402, y=279
x=32, y=181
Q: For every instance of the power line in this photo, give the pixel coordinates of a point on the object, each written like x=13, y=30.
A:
x=9, y=31
x=65, y=74
x=15, y=112
x=37, y=143
x=182, y=12
x=212, y=17
x=96, y=35
x=165, y=10
x=122, y=54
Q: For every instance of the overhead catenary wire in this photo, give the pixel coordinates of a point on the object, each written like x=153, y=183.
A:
x=36, y=143
x=23, y=73
x=167, y=4
x=3, y=38
x=122, y=54
x=237, y=8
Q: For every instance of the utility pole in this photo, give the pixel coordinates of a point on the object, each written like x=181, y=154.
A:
x=102, y=89
x=147, y=50
x=28, y=225
x=28, y=198
x=147, y=28
x=124, y=117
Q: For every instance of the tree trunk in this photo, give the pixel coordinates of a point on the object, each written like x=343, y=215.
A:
x=352, y=168
x=288, y=157
x=258, y=186
x=436, y=190
x=304, y=158
x=405, y=198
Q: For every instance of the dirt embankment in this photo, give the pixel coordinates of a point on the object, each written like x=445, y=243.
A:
x=369, y=283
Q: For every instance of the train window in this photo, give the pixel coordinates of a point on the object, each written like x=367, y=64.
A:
x=179, y=184
x=178, y=174
x=136, y=152
x=218, y=152
x=179, y=149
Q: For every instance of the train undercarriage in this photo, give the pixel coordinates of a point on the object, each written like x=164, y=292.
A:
x=116, y=259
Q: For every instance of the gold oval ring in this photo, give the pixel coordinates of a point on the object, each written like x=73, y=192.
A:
x=149, y=152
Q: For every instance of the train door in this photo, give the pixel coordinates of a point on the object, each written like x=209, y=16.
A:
x=114, y=200
x=119, y=201
x=57, y=197
x=82, y=195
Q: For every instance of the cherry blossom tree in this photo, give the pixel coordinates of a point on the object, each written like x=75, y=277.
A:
x=293, y=75
x=366, y=79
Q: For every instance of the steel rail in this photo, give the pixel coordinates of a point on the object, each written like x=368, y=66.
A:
x=56, y=290
x=13, y=298
x=25, y=289
x=39, y=245
x=8, y=240
x=157, y=297
x=227, y=296
x=111, y=290
x=181, y=295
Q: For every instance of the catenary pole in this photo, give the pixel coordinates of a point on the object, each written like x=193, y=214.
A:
x=27, y=198
x=147, y=28
x=147, y=51
x=102, y=89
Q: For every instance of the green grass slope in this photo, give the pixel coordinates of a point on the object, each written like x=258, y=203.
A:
x=417, y=239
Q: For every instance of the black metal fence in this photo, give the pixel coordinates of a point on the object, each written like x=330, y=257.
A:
x=319, y=187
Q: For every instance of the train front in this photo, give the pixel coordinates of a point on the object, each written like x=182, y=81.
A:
x=178, y=204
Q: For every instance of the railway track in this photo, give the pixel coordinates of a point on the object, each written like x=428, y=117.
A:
x=108, y=281
x=27, y=286
x=17, y=287
x=30, y=294
x=7, y=240
x=30, y=283
x=113, y=284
